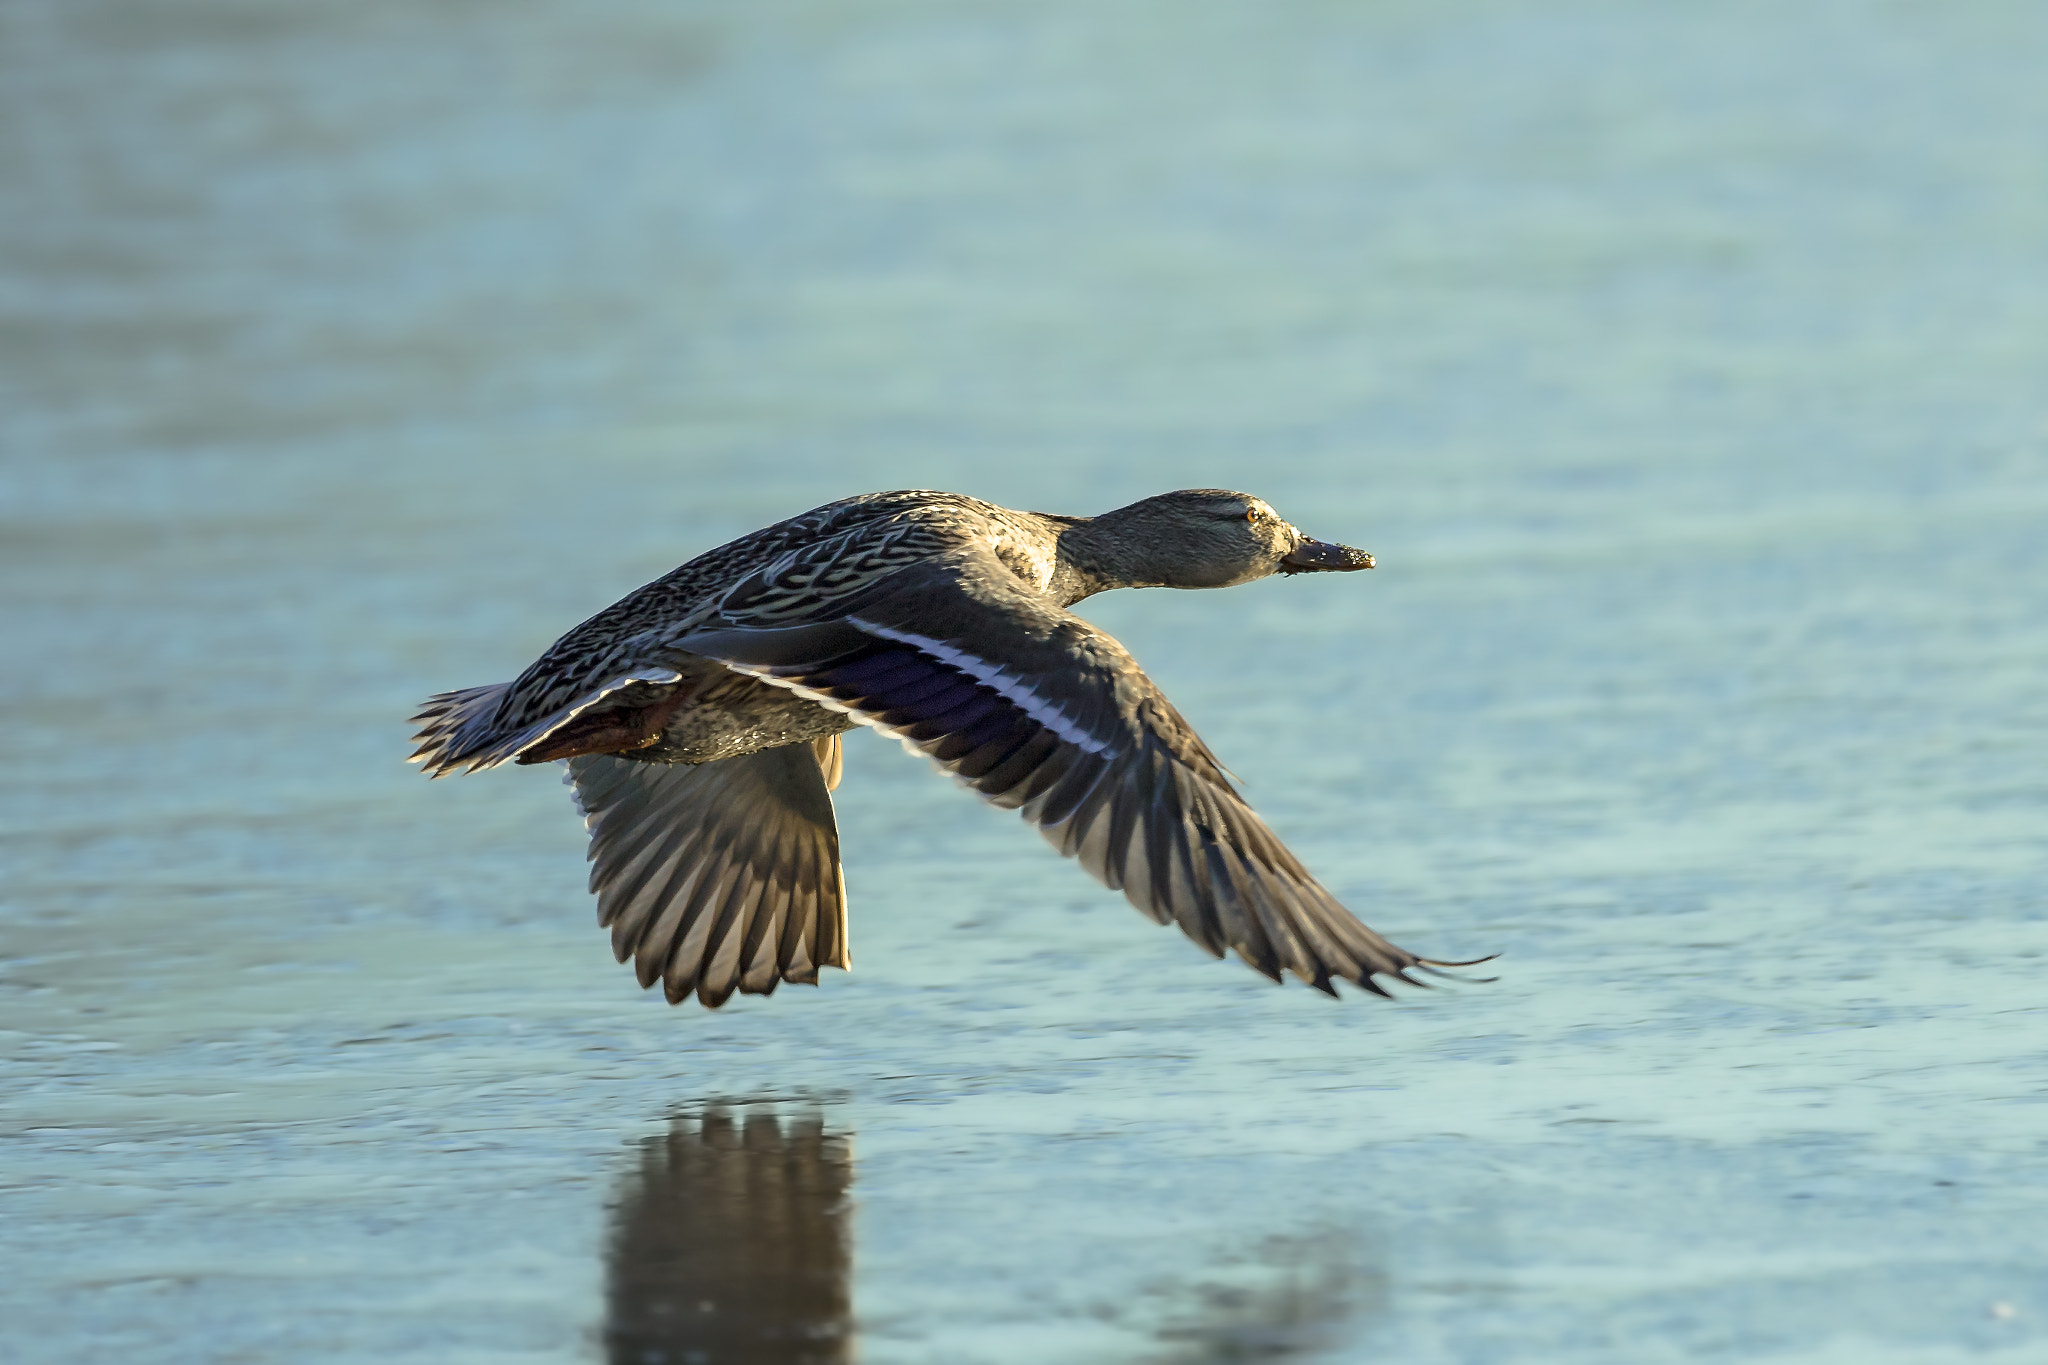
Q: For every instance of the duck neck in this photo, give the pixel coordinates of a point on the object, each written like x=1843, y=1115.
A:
x=1095, y=554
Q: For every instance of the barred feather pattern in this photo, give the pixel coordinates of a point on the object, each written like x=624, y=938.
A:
x=815, y=563
x=719, y=877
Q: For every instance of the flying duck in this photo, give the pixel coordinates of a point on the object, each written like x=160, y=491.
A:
x=700, y=721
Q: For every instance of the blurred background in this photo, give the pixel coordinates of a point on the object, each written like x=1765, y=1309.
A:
x=1685, y=366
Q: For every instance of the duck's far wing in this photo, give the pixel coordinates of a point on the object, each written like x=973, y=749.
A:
x=1040, y=712
x=719, y=877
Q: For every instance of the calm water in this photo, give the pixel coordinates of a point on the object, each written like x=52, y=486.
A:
x=1685, y=366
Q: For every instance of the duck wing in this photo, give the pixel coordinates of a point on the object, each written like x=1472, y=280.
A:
x=1040, y=712
x=721, y=876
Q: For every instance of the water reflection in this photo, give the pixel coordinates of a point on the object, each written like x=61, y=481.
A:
x=1294, y=1296
x=732, y=1243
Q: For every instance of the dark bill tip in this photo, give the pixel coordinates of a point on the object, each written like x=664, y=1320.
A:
x=1319, y=556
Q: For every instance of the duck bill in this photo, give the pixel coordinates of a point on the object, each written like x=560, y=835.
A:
x=1319, y=556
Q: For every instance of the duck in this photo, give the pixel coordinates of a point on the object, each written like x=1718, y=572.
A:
x=700, y=721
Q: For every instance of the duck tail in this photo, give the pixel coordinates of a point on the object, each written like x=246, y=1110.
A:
x=457, y=730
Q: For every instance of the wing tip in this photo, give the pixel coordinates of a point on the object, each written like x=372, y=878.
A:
x=714, y=1000
x=1366, y=978
x=1440, y=969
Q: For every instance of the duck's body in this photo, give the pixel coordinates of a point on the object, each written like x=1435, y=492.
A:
x=700, y=719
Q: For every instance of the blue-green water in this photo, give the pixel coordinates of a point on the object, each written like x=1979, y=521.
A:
x=1685, y=366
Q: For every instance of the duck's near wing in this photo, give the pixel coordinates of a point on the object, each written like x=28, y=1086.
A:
x=718, y=877
x=1040, y=712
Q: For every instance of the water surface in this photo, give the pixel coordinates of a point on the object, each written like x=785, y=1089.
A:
x=1683, y=367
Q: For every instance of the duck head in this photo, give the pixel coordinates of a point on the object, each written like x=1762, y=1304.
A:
x=1199, y=538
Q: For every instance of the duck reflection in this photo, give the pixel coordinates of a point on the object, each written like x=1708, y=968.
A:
x=1293, y=1296
x=732, y=1244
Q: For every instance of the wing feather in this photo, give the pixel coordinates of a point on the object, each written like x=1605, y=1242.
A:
x=1039, y=712
x=718, y=878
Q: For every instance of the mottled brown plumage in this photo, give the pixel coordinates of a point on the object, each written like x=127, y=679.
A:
x=700, y=719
